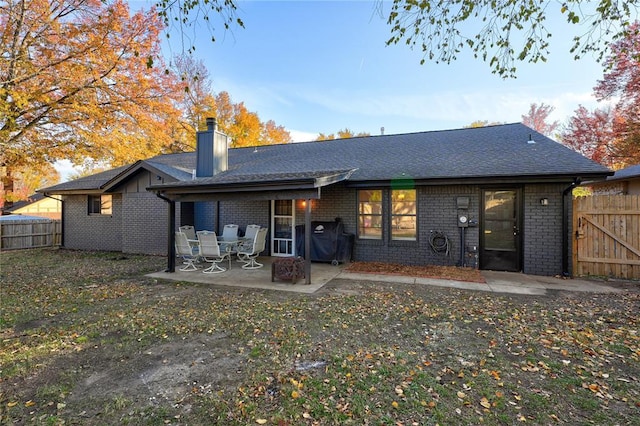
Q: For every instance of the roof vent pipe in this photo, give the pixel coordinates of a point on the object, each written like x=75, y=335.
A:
x=530, y=141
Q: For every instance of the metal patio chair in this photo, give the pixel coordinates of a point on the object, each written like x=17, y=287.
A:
x=188, y=252
x=247, y=240
x=249, y=252
x=209, y=251
x=229, y=239
x=190, y=231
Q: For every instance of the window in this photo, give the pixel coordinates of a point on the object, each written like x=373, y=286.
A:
x=370, y=214
x=403, y=214
x=100, y=204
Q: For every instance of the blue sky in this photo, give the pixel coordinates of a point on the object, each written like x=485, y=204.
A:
x=322, y=66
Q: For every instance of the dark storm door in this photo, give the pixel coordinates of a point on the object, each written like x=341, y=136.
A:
x=500, y=230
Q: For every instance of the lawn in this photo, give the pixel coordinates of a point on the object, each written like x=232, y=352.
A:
x=87, y=339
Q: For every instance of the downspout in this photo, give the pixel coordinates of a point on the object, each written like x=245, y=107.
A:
x=171, y=238
x=61, y=216
x=565, y=227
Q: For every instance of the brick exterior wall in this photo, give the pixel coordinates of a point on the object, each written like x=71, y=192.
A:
x=542, y=251
x=91, y=232
x=243, y=213
x=144, y=223
x=437, y=212
x=139, y=223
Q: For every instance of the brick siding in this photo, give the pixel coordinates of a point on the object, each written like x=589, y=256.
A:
x=139, y=223
x=83, y=231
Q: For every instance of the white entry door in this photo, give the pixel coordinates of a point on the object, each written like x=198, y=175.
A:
x=283, y=237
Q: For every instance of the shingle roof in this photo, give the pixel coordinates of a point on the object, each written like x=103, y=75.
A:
x=626, y=173
x=485, y=152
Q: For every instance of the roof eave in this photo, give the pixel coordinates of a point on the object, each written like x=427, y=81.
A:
x=485, y=180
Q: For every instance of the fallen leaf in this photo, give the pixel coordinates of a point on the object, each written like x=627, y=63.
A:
x=485, y=402
x=261, y=421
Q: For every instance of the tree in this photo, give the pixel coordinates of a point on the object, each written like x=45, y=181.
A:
x=27, y=181
x=591, y=134
x=243, y=126
x=82, y=79
x=481, y=123
x=622, y=81
x=504, y=32
x=537, y=117
x=187, y=14
x=345, y=133
x=498, y=32
x=197, y=102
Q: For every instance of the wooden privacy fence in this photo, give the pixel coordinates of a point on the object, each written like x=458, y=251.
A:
x=607, y=236
x=25, y=234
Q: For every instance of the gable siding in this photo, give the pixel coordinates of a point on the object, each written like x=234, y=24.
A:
x=91, y=232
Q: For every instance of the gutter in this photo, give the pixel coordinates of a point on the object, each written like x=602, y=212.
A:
x=565, y=227
x=171, y=238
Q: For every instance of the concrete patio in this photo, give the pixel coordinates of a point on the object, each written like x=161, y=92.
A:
x=322, y=273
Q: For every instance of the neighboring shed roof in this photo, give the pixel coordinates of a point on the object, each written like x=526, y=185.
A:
x=492, y=152
x=22, y=218
x=626, y=173
x=23, y=203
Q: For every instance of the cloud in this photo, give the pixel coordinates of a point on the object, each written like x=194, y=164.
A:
x=301, y=136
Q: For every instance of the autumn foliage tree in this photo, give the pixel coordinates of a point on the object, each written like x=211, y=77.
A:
x=611, y=136
x=245, y=127
x=195, y=104
x=591, y=134
x=82, y=79
x=345, y=133
x=537, y=118
x=622, y=82
x=199, y=102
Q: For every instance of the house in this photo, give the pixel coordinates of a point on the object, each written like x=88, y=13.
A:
x=37, y=205
x=623, y=182
x=495, y=197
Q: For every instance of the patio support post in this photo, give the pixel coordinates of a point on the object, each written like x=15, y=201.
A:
x=307, y=242
x=171, y=241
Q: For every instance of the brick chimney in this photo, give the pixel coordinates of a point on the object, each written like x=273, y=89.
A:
x=211, y=151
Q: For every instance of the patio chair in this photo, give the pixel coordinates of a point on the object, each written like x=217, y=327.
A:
x=229, y=238
x=249, y=252
x=190, y=231
x=249, y=235
x=250, y=232
x=210, y=252
x=188, y=252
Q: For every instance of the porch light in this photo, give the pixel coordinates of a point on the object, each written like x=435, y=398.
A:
x=544, y=201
